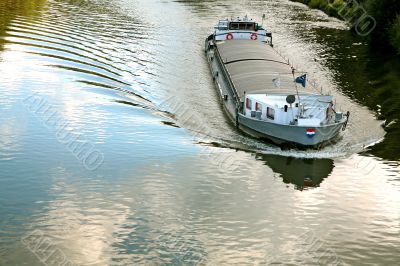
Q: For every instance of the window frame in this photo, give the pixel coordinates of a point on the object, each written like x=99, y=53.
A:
x=258, y=107
x=270, y=113
x=250, y=26
x=234, y=23
x=249, y=104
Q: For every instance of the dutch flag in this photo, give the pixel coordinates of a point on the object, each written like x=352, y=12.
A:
x=310, y=132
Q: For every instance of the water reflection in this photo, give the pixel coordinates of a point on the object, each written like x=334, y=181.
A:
x=303, y=173
x=369, y=77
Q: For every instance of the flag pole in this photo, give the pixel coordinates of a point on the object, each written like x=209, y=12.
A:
x=297, y=90
x=298, y=96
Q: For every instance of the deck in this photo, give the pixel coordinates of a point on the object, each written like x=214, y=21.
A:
x=253, y=65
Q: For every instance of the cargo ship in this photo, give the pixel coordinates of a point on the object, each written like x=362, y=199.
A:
x=263, y=94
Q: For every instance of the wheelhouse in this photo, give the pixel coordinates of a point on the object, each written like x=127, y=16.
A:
x=241, y=29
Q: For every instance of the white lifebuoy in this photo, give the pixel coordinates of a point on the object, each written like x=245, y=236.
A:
x=229, y=36
x=254, y=36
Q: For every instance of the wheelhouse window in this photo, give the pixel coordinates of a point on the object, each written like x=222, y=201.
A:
x=234, y=26
x=251, y=26
x=223, y=25
x=270, y=113
x=248, y=103
x=242, y=26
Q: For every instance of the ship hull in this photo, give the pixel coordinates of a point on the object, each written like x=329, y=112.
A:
x=282, y=135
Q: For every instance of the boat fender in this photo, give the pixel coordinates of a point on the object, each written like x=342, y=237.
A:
x=347, y=120
x=229, y=36
x=254, y=36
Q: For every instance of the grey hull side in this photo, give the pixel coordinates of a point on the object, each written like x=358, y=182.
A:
x=285, y=133
x=222, y=85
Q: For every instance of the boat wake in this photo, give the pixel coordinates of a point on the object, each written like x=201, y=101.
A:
x=195, y=103
x=141, y=65
x=338, y=149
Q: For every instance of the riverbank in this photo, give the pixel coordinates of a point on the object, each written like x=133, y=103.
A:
x=381, y=19
x=330, y=9
x=378, y=88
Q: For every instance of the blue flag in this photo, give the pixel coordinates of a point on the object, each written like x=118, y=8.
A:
x=302, y=80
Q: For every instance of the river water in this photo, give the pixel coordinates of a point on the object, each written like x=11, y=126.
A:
x=114, y=149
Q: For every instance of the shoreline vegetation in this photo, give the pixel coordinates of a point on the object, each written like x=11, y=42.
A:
x=378, y=23
x=379, y=20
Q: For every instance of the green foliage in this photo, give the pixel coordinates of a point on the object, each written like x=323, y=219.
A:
x=315, y=3
x=385, y=12
x=395, y=34
x=334, y=7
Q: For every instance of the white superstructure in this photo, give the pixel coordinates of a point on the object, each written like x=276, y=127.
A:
x=239, y=29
